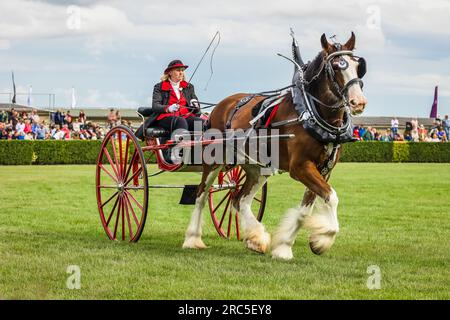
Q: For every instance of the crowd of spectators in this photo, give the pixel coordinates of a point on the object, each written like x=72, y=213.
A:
x=437, y=132
x=16, y=125
x=65, y=126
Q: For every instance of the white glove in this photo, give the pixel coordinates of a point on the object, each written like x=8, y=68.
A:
x=174, y=107
x=194, y=104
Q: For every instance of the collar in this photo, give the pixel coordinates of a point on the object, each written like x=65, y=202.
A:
x=174, y=84
x=166, y=86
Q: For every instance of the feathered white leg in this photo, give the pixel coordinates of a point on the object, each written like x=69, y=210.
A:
x=193, y=236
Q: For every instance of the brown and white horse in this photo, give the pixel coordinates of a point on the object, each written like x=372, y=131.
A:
x=302, y=156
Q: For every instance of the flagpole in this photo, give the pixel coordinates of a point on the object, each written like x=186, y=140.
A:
x=30, y=92
x=74, y=101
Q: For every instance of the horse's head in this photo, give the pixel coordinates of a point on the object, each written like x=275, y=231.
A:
x=345, y=72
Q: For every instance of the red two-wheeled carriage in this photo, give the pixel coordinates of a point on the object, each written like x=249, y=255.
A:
x=124, y=184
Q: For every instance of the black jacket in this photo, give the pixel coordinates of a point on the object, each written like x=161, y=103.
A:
x=161, y=94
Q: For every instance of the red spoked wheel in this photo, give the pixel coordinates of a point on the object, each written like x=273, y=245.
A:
x=122, y=185
x=220, y=202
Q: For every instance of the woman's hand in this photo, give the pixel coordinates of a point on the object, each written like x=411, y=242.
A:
x=195, y=105
x=173, y=108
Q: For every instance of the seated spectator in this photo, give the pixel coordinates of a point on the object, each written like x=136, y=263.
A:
x=433, y=131
x=34, y=128
x=434, y=138
x=398, y=137
x=92, y=134
x=59, y=135
x=54, y=129
x=423, y=133
x=66, y=131
x=100, y=133
x=27, y=127
x=376, y=134
x=367, y=135
x=2, y=130
x=442, y=135
x=42, y=132
x=8, y=133
x=4, y=117
x=407, y=136
x=386, y=136
x=84, y=135
x=20, y=135
x=356, y=133
x=29, y=136
x=20, y=127
x=362, y=130
x=76, y=125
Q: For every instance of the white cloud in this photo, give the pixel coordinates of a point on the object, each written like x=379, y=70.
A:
x=414, y=84
x=250, y=24
x=118, y=99
x=91, y=99
x=4, y=44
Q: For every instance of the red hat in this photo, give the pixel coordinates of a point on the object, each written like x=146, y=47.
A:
x=175, y=64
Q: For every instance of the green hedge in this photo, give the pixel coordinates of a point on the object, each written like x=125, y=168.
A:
x=367, y=152
x=429, y=152
x=85, y=152
x=66, y=152
x=16, y=152
x=49, y=152
x=375, y=151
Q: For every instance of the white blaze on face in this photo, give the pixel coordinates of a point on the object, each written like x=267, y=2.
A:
x=356, y=97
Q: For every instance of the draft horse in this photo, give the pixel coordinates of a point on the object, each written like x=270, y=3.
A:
x=331, y=86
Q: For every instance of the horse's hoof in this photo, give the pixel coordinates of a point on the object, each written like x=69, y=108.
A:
x=194, y=243
x=320, y=243
x=260, y=245
x=283, y=252
x=254, y=246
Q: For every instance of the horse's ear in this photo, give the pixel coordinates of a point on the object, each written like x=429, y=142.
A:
x=325, y=44
x=350, y=45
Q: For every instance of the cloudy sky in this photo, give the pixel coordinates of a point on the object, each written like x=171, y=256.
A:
x=113, y=52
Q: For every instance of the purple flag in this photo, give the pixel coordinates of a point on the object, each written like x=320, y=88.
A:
x=433, y=113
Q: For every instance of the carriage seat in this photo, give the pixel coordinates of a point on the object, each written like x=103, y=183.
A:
x=156, y=132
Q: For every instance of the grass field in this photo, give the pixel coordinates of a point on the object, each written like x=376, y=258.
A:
x=394, y=216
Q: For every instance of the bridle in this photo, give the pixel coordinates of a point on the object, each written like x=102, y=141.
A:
x=311, y=114
x=342, y=64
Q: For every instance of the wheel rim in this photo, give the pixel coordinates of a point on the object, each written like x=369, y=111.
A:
x=225, y=218
x=122, y=185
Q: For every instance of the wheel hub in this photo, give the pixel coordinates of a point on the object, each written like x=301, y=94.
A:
x=234, y=188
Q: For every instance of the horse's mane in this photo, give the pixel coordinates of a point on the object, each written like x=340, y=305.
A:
x=314, y=66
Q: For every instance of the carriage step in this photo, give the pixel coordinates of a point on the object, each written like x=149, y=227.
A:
x=189, y=194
